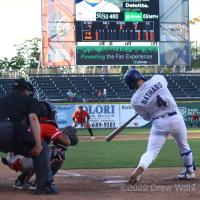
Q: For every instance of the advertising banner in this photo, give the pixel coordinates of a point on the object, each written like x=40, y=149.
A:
x=103, y=115
x=114, y=115
x=57, y=33
x=187, y=109
x=116, y=55
x=126, y=112
x=64, y=115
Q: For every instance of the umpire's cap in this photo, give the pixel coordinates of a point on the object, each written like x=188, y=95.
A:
x=31, y=89
x=20, y=84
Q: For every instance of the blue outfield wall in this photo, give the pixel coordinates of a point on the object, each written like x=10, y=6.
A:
x=112, y=115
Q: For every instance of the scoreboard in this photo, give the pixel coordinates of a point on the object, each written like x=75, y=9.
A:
x=117, y=31
x=137, y=22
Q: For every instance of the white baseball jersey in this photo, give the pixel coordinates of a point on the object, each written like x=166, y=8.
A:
x=153, y=99
x=86, y=12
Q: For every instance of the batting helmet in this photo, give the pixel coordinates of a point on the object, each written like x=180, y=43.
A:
x=132, y=77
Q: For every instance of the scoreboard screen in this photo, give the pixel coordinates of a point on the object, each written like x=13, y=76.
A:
x=116, y=31
x=125, y=21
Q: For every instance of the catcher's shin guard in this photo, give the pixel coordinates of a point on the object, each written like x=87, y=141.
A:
x=57, y=157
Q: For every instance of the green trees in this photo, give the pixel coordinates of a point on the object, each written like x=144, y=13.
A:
x=195, y=56
x=27, y=56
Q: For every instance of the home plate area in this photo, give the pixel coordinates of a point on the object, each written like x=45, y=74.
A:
x=113, y=184
x=86, y=184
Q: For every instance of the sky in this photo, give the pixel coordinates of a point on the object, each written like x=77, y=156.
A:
x=21, y=20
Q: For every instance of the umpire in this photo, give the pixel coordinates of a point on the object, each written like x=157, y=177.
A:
x=20, y=133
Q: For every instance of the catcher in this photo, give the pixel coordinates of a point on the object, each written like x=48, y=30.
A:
x=82, y=117
x=60, y=139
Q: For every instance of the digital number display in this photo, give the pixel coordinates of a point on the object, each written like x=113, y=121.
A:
x=115, y=31
x=126, y=21
x=109, y=16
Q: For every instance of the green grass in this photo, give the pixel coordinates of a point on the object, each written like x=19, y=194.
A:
x=123, y=154
x=127, y=131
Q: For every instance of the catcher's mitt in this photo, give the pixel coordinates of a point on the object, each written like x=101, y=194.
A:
x=71, y=133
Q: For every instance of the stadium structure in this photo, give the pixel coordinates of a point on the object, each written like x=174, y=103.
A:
x=101, y=49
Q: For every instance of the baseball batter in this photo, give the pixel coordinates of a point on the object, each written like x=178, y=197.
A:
x=153, y=101
x=86, y=9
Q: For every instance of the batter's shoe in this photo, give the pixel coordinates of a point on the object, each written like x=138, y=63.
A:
x=136, y=175
x=93, y=137
x=185, y=175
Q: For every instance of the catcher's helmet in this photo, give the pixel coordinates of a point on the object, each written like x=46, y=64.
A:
x=132, y=77
x=47, y=111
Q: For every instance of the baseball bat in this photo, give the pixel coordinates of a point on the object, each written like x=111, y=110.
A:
x=119, y=129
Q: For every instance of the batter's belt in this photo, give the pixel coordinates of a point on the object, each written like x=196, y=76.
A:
x=165, y=115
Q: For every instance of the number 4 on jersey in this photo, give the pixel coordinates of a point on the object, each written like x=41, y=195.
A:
x=161, y=102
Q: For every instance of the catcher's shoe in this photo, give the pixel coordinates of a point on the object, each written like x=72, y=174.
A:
x=5, y=161
x=185, y=175
x=19, y=185
x=32, y=186
x=136, y=175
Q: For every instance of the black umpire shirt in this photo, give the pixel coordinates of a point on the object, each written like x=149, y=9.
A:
x=17, y=107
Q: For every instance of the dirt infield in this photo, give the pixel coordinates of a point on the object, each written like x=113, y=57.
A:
x=108, y=184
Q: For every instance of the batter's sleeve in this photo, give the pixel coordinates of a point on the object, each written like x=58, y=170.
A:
x=141, y=111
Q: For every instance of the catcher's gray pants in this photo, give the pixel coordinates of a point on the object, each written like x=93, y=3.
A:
x=8, y=143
